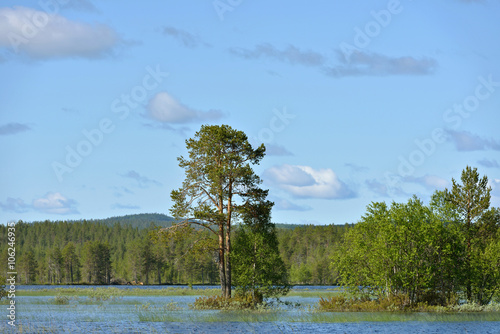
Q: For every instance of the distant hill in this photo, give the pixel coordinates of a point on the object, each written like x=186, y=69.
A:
x=142, y=220
x=288, y=226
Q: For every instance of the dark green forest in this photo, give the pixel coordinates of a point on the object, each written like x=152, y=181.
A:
x=123, y=249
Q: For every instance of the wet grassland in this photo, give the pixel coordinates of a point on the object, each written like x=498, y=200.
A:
x=114, y=309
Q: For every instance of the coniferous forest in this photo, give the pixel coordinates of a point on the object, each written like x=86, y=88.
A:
x=122, y=249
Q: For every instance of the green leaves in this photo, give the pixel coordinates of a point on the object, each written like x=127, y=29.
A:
x=392, y=250
x=430, y=254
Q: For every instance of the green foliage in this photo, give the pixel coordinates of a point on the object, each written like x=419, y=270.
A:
x=430, y=254
x=479, y=224
x=306, y=252
x=3, y=292
x=396, y=250
x=97, y=262
x=258, y=268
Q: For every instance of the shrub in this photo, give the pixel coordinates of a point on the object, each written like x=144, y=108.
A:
x=61, y=300
x=3, y=292
x=237, y=302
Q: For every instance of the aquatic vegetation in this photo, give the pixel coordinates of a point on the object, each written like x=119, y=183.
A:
x=395, y=303
x=61, y=300
x=102, y=294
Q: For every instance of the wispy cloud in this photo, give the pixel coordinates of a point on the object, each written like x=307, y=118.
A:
x=15, y=205
x=51, y=203
x=431, y=182
x=286, y=205
x=307, y=182
x=362, y=63
x=142, y=181
x=186, y=39
x=55, y=203
x=290, y=54
x=377, y=187
x=466, y=141
x=489, y=163
x=13, y=128
x=59, y=37
x=121, y=191
x=356, y=168
x=166, y=109
x=82, y=5
x=125, y=206
x=277, y=150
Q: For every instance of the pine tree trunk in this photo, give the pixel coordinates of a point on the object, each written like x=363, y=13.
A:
x=221, y=264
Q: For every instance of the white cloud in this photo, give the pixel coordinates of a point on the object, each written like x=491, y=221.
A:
x=55, y=203
x=307, y=182
x=40, y=35
x=166, y=109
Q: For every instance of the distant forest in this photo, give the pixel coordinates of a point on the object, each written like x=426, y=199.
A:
x=124, y=249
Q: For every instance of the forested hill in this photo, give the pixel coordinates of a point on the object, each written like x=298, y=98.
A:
x=143, y=220
x=146, y=220
x=140, y=221
x=112, y=250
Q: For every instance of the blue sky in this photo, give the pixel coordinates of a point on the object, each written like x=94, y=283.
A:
x=355, y=102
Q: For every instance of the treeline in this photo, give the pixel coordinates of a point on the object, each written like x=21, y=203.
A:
x=61, y=252
x=94, y=252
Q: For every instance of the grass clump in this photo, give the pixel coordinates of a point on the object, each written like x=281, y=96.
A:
x=61, y=300
x=238, y=302
x=103, y=294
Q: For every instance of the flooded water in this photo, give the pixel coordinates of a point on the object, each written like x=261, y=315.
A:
x=155, y=314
